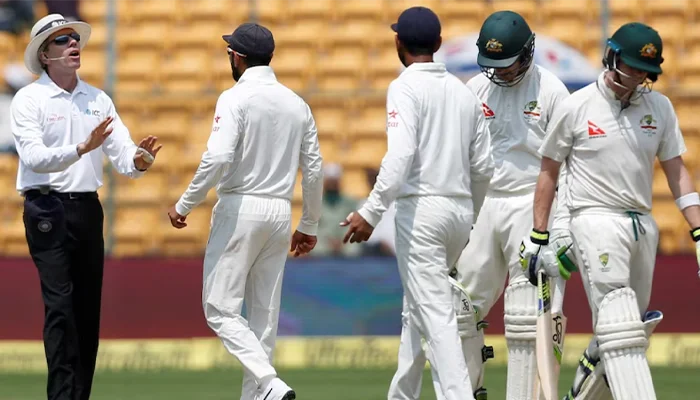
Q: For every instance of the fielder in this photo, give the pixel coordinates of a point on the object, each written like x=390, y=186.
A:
x=261, y=134
x=438, y=157
x=519, y=99
x=610, y=133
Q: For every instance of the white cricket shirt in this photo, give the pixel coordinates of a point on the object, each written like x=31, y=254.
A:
x=610, y=152
x=47, y=125
x=262, y=132
x=518, y=117
x=437, y=144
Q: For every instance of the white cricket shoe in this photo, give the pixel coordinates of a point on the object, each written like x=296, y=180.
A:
x=276, y=390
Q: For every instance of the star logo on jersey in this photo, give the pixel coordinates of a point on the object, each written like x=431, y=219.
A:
x=216, y=119
x=532, y=111
x=648, y=125
x=594, y=131
x=488, y=113
x=648, y=51
x=392, y=115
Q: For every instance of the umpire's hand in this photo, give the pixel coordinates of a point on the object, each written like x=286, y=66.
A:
x=302, y=243
x=360, y=230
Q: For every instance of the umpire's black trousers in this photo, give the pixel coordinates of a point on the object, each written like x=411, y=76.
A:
x=64, y=234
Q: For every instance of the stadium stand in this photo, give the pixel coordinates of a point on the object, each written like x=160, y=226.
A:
x=170, y=65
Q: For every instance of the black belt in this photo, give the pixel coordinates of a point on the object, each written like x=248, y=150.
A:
x=61, y=195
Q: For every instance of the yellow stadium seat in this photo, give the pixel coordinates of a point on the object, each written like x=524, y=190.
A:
x=342, y=61
x=353, y=33
x=229, y=12
x=331, y=149
x=688, y=116
x=360, y=9
x=354, y=182
x=271, y=11
x=148, y=189
x=660, y=185
x=148, y=10
x=299, y=10
x=135, y=229
x=196, y=35
x=293, y=62
x=147, y=35
x=669, y=219
x=299, y=36
x=186, y=71
x=395, y=7
x=13, y=242
x=365, y=152
x=330, y=116
x=622, y=12
x=98, y=36
x=93, y=11
x=529, y=9
x=138, y=65
x=460, y=17
x=190, y=241
x=93, y=66
x=689, y=71
x=671, y=28
x=368, y=121
x=7, y=43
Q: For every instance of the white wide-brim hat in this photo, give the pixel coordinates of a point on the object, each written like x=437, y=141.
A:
x=44, y=28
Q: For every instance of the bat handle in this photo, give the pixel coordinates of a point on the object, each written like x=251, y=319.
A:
x=558, y=296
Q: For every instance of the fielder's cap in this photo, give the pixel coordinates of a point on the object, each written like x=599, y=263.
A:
x=418, y=26
x=251, y=39
x=44, y=28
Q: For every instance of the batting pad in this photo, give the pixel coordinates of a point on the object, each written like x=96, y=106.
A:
x=590, y=381
x=623, y=342
x=520, y=332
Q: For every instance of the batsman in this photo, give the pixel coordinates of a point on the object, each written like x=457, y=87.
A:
x=610, y=133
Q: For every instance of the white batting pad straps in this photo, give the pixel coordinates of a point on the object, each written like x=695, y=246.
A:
x=623, y=341
x=687, y=200
x=520, y=332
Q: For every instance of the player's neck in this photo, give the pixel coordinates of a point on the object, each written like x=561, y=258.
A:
x=65, y=80
x=418, y=59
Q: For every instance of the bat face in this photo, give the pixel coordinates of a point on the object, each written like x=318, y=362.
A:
x=546, y=360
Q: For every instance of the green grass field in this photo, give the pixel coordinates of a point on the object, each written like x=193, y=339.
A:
x=370, y=384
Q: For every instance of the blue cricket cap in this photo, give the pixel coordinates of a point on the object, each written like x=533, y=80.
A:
x=418, y=26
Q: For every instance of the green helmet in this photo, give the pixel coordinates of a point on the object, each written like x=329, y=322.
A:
x=504, y=38
x=637, y=45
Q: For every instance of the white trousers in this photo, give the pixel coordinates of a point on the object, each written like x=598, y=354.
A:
x=613, y=256
x=244, y=260
x=430, y=235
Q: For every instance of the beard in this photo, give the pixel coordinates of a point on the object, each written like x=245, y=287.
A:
x=235, y=73
x=402, y=57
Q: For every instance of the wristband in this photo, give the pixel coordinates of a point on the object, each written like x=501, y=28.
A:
x=695, y=234
x=687, y=200
x=541, y=238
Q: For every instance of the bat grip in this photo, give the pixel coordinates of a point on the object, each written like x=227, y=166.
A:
x=558, y=296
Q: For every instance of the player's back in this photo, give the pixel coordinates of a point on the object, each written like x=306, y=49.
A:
x=445, y=116
x=273, y=123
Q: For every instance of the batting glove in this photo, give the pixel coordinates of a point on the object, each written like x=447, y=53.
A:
x=535, y=254
x=695, y=234
x=561, y=243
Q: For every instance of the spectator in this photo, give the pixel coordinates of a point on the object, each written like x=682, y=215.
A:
x=16, y=15
x=381, y=243
x=336, y=207
x=67, y=8
x=16, y=77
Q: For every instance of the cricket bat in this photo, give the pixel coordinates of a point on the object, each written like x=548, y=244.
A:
x=547, y=371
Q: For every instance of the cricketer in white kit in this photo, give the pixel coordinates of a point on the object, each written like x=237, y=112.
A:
x=438, y=151
x=262, y=133
x=610, y=134
x=518, y=101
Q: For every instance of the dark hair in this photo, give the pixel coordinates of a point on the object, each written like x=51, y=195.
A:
x=420, y=50
x=256, y=61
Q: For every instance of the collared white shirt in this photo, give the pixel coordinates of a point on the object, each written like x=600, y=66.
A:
x=47, y=125
x=610, y=151
x=262, y=133
x=437, y=144
x=518, y=117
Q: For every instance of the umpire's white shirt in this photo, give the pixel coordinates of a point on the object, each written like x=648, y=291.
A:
x=518, y=118
x=258, y=140
x=48, y=123
x=436, y=141
x=610, y=152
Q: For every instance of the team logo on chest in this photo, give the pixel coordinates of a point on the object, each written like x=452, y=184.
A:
x=648, y=125
x=594, y=131
x=532, y=111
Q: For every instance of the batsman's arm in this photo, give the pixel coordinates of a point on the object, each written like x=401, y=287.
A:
x=402, y=131
x=683, y=190
x=225, y=134
x=311, y=163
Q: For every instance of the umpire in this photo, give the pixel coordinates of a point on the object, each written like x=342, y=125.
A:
x=57, y=122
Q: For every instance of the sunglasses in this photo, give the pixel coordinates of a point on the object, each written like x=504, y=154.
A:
x=64, y=39
x=231, y=51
